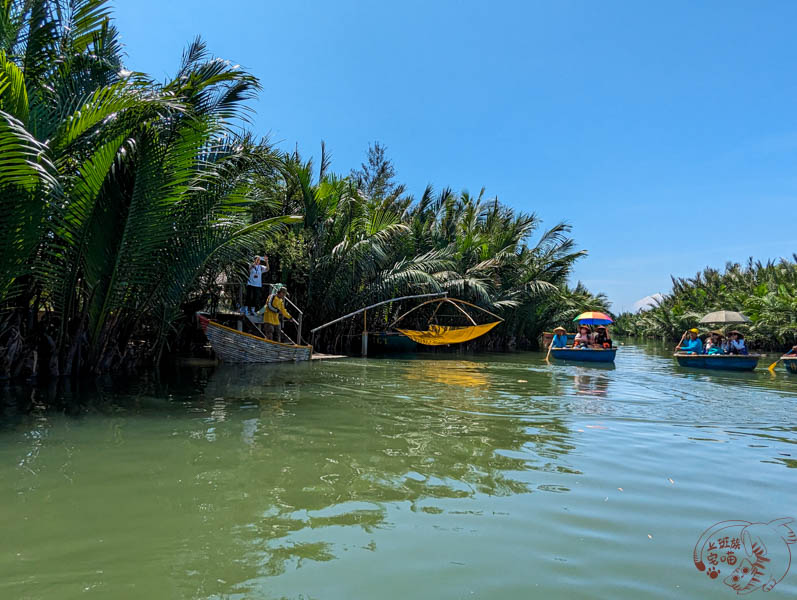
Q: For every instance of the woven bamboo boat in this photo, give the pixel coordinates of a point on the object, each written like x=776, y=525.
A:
x=234, y=346
x=719, y=362
x=598, y=355
x=790, y=363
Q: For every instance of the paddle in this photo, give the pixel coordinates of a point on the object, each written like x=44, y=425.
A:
x=790, y=353
x=549, y=351
x=678, y=345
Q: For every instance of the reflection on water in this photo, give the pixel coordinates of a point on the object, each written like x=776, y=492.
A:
x=591, y=385
x=389, y=478
x=449, y=372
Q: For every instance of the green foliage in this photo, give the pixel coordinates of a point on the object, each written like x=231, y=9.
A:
x=764, y=292
x=117, y=194
x=365, y=241
x=123, y=201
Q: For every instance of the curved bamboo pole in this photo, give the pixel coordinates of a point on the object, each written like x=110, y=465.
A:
x=453, y=301
x=484, y=310
x=357, y=312
x=462, y=310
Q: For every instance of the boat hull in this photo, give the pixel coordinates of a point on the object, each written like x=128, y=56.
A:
x=593, y=355
x=232, y=346
x=790, y=364
x=719, y=362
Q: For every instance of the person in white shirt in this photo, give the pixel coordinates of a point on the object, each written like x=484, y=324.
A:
x=736, y=343
x=254, y=285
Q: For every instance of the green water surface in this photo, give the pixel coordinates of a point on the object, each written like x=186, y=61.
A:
x=433, y=476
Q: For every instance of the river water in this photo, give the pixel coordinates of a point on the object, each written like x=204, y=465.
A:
x=434, y=476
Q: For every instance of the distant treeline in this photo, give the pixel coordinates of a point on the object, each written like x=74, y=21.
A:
x=764, y=292
x=123, y=201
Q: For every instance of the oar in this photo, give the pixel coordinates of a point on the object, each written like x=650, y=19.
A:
x=771, y=367
x=549, y=351
x=678, y=345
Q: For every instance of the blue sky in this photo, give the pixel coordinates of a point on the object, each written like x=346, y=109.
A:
x=664, y=133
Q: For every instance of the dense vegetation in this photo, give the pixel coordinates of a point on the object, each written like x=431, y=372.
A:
x=764, y=292
x=123, y=199
x=362, y=240
x=115, y=191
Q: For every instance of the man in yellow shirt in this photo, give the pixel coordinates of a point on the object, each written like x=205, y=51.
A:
x=275, y=305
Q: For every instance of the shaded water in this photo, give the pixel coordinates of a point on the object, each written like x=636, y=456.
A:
x=490, y=476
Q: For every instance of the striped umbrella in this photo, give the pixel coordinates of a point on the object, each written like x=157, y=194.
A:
x=593, y=318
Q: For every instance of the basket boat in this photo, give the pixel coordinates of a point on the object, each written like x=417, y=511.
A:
x=790, y=363
x=233, y=346
x=720, y=362
x=547, y=337
x=599, y=355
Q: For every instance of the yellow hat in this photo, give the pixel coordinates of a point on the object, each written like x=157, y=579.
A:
x=694, y=330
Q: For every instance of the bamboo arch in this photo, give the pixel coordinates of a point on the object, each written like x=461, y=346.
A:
x=442, y=335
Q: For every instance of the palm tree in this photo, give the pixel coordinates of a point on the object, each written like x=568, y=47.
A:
x=765, y=292
x=118, y=190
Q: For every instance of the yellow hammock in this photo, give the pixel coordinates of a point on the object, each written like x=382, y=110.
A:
x=441, y=335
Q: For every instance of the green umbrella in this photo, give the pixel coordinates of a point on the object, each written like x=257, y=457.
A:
x=725, y=317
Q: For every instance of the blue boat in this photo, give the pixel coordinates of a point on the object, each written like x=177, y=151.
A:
x=598, y=355
x=790, y=363
x=720, y=362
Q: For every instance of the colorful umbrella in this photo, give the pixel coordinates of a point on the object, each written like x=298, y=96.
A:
x=593, y=318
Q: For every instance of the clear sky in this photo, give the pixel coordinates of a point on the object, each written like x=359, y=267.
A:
x=664, y=133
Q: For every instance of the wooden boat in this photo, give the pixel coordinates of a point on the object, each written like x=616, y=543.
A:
x=598, y=355
x=234, y=346
x=790, y=363
x=721, y=362
x=547, y=336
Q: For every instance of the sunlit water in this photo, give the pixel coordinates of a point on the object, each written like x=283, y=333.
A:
x=458, y=476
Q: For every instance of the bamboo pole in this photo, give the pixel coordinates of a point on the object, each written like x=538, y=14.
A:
x=364, y=348
x=357, y=312
x=462, y=310
x=453, y=301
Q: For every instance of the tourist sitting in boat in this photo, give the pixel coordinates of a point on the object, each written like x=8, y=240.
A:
x=583, y=338
x=714, y=344
x=736, y=343
x=275, y=305
x=792, y=352
x=602, y=338
x=691, y=345
x=559, y=339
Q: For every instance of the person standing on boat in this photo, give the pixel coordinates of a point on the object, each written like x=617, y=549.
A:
x=559, y=339
x=693, y=345
x=254, y=285
x=274, y=307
